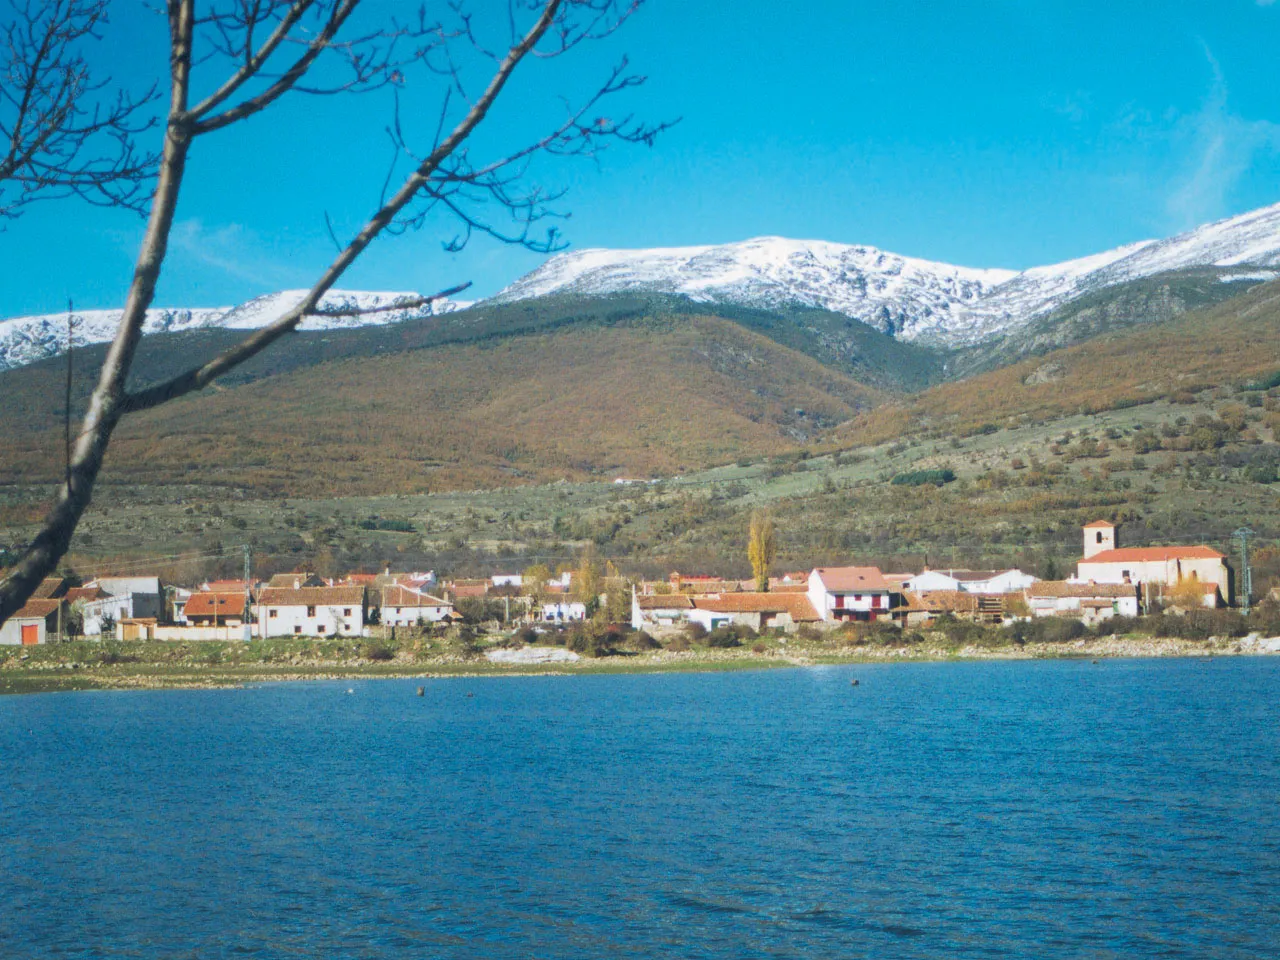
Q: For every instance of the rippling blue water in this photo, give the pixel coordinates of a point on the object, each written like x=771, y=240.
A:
x=1053, y=809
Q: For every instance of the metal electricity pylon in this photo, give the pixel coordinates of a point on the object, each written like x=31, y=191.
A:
x=1246, y=572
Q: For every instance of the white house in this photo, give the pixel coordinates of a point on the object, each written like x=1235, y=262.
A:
x=849, y=593
x=96, y=611
x=1086, y=601
x=310, y=611
x=147, y=596
x=402, y=607
x=563, y=611
x=120, y=598
x=33, y=624
x=507, y=580
x=970, y=581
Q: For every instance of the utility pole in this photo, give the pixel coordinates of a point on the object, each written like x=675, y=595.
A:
x=248, y=596
x=1246, y=572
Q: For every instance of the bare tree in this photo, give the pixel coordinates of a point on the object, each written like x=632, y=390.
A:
x=65, y=131
x=269, y=48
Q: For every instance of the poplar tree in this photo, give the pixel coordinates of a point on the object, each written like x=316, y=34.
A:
x=761, y=547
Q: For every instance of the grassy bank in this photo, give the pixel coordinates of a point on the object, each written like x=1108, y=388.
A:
x=93, y=666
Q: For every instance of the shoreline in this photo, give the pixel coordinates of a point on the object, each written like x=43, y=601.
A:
x=71, y=675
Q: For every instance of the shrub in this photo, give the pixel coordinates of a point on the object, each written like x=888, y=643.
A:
x=678, y=644
x=379, y=651
x=723, y=637
x=641, y=641
x=884, y=634
x=694, y=632
x=919, y=478
x=1046, y=630
x=526, y=634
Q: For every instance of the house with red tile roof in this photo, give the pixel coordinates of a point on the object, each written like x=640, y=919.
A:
x=759, y=611
x=402, y=607
x=1086, y=601
x=310, y=611
x=35, y=622
x=210, y=609
x=850, y=593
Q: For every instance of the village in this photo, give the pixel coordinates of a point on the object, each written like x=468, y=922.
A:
x=1110, y=581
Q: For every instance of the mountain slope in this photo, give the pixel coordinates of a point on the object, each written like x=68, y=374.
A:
x=1231, y=343
x=1144, y=301
x=644, y=396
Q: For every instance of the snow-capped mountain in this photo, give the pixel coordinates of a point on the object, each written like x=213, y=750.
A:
x=28, y=339
x=918, y=300
x=912, y=299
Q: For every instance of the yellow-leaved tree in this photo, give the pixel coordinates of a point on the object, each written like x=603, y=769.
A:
x=761, y=547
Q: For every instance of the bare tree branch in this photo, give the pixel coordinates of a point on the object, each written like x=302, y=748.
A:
x=409, y=303
x=58, y=135
x=200, y=377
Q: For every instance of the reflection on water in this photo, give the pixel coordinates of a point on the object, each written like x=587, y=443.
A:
x=1125, y=809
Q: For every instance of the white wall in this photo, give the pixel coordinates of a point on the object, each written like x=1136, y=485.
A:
x=562, y=611
x=293, y=621
x=409, y=616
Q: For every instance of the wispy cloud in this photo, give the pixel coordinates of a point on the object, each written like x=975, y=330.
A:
x=1219, y=148
x=231, y=249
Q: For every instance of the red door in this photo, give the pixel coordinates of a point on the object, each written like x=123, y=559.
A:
x=30, y=634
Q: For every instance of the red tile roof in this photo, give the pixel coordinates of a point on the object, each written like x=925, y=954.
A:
x=49, y=587
x=943, y=601
x=1154, y=555
x=1098, y=523
x=312, y=596
x=1063, y=588
x=796, y=604
x=94, y=592
x=211, y=604
x=665, y=601
x=37, y=609
x=225, y=586
x=286, y=581
x=401, y=597
x=853, y=579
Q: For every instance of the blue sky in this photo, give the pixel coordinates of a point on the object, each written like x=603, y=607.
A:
x=988, y=133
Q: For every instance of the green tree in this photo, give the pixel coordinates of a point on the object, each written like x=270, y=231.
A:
x=761, y=547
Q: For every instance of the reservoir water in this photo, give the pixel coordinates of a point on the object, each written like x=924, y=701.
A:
x=1044, y=809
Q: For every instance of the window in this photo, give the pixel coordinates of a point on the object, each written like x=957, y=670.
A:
x=1098, y=535
x=272, y=613
x=311, y=611
x=297, y=628
x=346, y=611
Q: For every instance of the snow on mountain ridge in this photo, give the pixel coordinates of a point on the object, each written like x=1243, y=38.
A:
x=860, y=281
x=909, y=298
x=25, y=340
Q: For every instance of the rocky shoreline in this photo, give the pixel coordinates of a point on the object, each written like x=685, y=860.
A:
x=19, y=676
